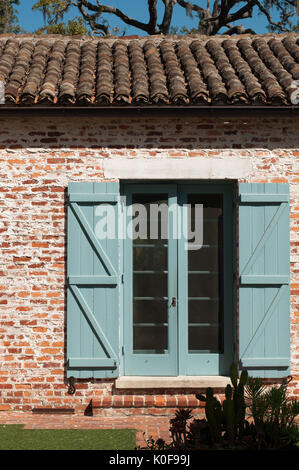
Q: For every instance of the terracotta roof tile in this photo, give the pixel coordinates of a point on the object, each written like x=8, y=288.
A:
x=198, y=92
x=266, y=78
x=70, y=73
x=7, y=61
x=284, y=57
x=31, y=90
x=235, y=89
x=86, y=80
x=122, y=79
x=104, y=74
x=175, y=75
x=254, y=90
x=292, y=45
x=140, y=81
x=49, y=88
x=157, y=77
x=283, y=77
x=171, y=70
x=19, y=72
x=215, y=84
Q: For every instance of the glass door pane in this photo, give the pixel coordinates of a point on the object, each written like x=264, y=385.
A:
x=205, y=312
x=150, y=276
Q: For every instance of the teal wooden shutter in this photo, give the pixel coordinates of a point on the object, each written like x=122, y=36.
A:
x=93, y=281
x=264, y=265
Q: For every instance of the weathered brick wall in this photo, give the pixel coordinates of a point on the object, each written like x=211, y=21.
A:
x=38, y=157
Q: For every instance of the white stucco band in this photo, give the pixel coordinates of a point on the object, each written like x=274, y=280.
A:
x=174, y=168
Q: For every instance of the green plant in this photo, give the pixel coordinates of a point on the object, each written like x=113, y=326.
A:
x=213, y=413
x=178, y=427
x=255, y=399
x=199, y=435
x=227, y=420
x=273, y=414
x=178, y=431
x=229, y=416
x=239, y=400
x=152, y=444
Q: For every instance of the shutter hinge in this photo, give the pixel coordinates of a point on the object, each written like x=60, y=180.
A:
x=71, y=386
x=122, y=278
x=234, y=276
x=234, y=347
x=123, y=350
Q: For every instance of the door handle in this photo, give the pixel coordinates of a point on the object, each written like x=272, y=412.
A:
x=173, y=302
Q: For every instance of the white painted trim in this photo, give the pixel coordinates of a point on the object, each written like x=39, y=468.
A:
x=230, y=167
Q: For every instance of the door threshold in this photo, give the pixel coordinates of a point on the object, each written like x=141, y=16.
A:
x=189, y=382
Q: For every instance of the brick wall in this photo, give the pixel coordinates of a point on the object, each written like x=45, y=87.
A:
x=38, y=157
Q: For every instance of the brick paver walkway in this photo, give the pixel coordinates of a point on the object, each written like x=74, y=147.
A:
x=156, y=426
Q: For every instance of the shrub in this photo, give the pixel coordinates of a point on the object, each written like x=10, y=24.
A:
x=271, y=423
x=273, y=415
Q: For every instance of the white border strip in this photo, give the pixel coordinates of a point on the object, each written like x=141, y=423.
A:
x=175, y=168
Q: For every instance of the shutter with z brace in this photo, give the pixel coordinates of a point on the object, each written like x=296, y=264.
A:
x=264, y=265
x=93, y=281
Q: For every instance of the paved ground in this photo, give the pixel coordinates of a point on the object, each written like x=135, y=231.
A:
x=155, y=426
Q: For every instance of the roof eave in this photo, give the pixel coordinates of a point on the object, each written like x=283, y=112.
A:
x=151, y=110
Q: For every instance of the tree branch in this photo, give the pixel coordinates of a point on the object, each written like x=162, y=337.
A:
x=244, y=12
x=220, y=17
x=125, y=18
x=216, y=8
x=100, y=8
x=269, y=18
x=168, y=12
x=152, y=8
x=91, y=19
x=293, y=3
x=226, y=6
x=99, y=26
x=191, y=6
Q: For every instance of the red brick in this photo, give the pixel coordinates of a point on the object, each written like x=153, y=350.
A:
x=117, y=401
x=138, y=401
x=40, y=245
x=107, y=401
x=160, y=400
x=128, y=401
x=149, y=400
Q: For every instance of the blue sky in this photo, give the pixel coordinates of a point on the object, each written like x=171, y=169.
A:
x=31, y=20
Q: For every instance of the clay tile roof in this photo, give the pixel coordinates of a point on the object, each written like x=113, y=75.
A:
x=156, y=70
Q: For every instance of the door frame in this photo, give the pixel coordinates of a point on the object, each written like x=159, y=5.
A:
x=228, y=189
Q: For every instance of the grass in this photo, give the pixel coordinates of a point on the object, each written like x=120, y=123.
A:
x=15, y=437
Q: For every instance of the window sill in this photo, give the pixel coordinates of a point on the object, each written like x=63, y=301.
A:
x=186, y=382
